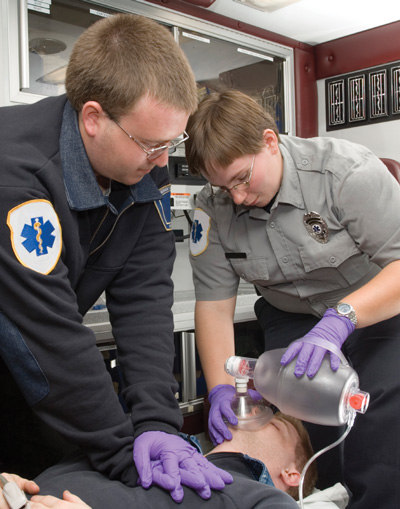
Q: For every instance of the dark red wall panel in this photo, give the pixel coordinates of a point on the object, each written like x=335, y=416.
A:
x=359, y=51
x=305, y=94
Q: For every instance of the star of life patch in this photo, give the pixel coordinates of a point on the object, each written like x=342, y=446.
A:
x=199, y=233
x=35, y=235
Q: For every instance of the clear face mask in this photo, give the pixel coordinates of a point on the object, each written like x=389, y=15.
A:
x=251, y=414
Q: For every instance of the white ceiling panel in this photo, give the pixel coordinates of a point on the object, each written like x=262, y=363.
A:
x=312, y=21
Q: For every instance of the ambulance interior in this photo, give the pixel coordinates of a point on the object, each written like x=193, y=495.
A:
x=323, y=68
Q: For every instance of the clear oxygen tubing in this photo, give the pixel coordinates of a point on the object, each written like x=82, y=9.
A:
x=350, y=423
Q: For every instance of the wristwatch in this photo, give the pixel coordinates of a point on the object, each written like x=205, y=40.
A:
x=344, y=309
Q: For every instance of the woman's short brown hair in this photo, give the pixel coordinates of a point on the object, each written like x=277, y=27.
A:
x=227, y=125
x=121, y=58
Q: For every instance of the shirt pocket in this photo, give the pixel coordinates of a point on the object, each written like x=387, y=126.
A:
x=339, y=259
x=252, y=270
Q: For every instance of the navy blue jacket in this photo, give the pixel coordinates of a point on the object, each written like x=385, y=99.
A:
x=62, y=244
x=248, y=491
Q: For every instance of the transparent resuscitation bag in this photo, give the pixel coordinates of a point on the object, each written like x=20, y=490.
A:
x=329, y=398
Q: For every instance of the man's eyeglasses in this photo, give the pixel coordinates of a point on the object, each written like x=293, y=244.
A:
x=155, y=152
x=237, y=187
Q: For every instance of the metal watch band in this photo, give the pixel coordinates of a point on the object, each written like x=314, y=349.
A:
x=347, y=310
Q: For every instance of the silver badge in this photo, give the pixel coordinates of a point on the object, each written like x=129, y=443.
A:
x=316, y=227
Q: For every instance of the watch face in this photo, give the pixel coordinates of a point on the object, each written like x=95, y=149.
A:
x=344, y=308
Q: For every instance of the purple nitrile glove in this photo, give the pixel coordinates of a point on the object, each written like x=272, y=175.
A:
x=170, y=462
x=220, y=398
x=332, y=328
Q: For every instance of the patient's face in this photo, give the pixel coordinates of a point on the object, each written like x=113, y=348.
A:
x=278, y=444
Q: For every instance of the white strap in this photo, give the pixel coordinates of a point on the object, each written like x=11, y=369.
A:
x=323, y=343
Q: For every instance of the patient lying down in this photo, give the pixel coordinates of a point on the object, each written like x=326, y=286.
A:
x=265, y=464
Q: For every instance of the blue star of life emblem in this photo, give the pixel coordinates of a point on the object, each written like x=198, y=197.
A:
x=38, y=236
x=197, y=231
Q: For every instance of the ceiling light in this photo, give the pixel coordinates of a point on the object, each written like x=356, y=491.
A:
x=267, y=5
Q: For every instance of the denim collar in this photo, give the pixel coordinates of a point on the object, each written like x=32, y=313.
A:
x=258, y=470
x=81, y=187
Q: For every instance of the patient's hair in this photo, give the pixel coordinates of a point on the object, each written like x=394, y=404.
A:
x=304, y=451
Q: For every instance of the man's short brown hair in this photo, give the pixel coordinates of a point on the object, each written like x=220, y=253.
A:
x=124, y=57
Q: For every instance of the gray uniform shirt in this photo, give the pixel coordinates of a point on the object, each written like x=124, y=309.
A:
x=297, y=268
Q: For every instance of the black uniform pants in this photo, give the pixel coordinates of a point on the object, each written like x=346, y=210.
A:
x=368, y=462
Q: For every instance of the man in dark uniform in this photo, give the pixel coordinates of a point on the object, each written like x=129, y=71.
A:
x=84, y=209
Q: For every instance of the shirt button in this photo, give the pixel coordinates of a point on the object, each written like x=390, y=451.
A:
x=272, y=225
x=332, y=259
x=243, y=276
x=304, y=162
x=285, y=259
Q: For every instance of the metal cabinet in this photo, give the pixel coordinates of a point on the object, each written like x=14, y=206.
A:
x=40, y=37
x=220, y=64
x=35, y=45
